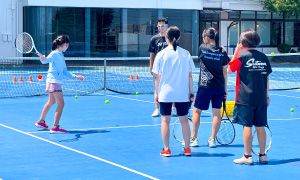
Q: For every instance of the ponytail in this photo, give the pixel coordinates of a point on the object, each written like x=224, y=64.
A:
x=213, y=34
x=59, y=41
x=173, y=34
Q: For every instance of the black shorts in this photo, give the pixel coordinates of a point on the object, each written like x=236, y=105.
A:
x=205, y=95
x=181, y=107
x=247, y=115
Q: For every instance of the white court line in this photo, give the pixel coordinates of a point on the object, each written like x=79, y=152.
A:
x=284, y=96
x=118, y=127
x=292, y=119
x=83, y=153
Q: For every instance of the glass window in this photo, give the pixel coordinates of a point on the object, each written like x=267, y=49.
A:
x=277, y=16
x=277, y=33
x=263, y=15
x=292, y=33
x=289, y=33
x=141, y=26
x=247, y=25
x=183, y=20
x=248, y=14
x=234, y=35
x=210, y=14
x=263, y=29
x=291, y=17
x=205, y=25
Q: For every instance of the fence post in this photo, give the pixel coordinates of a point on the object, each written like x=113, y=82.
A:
x=104, y=74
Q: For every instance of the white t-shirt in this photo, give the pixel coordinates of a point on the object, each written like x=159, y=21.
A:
x=174, y=68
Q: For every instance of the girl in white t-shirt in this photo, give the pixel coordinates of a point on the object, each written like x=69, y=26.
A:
x=174, y=83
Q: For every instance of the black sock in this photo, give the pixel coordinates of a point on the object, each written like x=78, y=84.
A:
x=262, y=154
x=247, y=156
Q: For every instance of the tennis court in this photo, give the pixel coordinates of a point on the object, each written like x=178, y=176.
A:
x=121, y=140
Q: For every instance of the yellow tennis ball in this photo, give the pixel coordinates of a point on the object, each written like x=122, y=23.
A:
x=76, y=97
x=137, y=93
x=292, y=109
x=107, y=101
x=272, y=53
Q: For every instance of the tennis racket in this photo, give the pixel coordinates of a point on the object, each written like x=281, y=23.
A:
x=177, y=128
x=255, y=145
x=226, y=132
x=25, y=44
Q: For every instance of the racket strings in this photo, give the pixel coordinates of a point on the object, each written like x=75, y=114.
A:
x=24, y=43
x=226, y=133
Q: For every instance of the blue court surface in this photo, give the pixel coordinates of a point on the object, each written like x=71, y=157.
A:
x=121, y=140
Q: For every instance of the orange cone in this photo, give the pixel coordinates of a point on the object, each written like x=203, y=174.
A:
x=131, y=78
x=20, y=79
x=15, y=79
x=136, y=77
x=30, y=79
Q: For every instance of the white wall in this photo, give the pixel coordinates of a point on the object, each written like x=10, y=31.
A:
x=8, y=26
x=160, y=4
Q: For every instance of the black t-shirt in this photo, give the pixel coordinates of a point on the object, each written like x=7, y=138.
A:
x=213, y=59
x=157, y=43
x=253, y=68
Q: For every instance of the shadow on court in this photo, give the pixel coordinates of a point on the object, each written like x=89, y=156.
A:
x=79, y=133
x=294, y=162
x=200, y=154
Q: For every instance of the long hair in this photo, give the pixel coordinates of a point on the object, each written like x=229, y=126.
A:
x=59, y=41
x=212, y=33
x=173, y=34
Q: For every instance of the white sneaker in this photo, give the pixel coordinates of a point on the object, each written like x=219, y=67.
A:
x=244, y=160
x=156, y=113
x=194, y=143
x=211, y=143
x=263, y=159
x=174, y=111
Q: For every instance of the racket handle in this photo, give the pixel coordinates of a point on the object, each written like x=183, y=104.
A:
x=39, y=54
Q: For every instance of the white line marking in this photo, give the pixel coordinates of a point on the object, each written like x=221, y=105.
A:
x=284, y=96
x=292, y=119
x=118, y=127
x=80, y=152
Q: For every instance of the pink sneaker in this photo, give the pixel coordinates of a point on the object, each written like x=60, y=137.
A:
x=57, y=130
x=41, y=125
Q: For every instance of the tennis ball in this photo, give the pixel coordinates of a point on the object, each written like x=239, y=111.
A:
x=292, y=109
x=107, y=101
x=76, y=97
x=272, y=53
x=137, y=93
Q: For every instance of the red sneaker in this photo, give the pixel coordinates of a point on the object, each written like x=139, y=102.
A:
x=187, y=152
x=166, y=153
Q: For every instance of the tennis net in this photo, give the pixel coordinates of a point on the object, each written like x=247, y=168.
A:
x=19, y=75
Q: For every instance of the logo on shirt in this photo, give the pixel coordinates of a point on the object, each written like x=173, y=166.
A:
x=162, y=44
x=255, y=65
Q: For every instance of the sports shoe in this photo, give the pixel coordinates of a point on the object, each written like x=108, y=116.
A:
x=57, y=130
x=187, y=152
x=41, y=125
x=194, y=143
x=211, y=143
x=244, y=160
x=263, y=159
x=166, y=153
x=156, y=113
x=174, y=111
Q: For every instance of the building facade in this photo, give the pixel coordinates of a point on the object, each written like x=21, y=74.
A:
x=121, y=28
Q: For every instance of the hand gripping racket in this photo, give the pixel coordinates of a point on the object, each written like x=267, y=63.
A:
x=255, y=144
x=177, y=128
x=226, y=132
x=25, y=44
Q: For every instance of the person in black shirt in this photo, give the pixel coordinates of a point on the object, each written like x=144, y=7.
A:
x=212, y=84
x=158, y=43
x=252, y=93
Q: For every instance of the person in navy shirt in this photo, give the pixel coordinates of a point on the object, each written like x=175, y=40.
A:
x=252, y=93
x=212, y=86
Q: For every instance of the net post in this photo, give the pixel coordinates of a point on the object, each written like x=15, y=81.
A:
x=104, y=75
